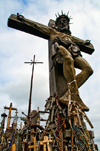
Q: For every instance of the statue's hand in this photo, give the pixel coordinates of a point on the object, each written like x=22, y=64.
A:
x=87, y=42
x=68, y=42
x=20, y=17
x=57, y=39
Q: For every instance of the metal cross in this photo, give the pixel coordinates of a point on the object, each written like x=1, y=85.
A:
x=32, y=62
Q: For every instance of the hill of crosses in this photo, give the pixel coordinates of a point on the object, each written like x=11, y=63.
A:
x=65, y=126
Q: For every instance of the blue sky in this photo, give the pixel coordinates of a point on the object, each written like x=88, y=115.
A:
x=16, y=47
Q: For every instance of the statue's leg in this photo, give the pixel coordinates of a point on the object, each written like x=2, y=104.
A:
x=69, y=74
x=68, y=68
x=86, y=72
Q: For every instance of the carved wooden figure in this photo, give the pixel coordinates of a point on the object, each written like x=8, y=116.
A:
x=64, y=54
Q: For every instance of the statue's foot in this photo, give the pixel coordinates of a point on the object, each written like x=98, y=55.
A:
x=79, y=101
x=64, y=99
x=75, y=97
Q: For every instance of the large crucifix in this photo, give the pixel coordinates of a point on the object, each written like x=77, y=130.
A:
x=64, y=54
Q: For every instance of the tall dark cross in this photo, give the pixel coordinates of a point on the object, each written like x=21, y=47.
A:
x=31, y=86
x=57, y=81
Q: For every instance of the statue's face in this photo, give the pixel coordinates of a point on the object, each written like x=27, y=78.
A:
x=63, y=24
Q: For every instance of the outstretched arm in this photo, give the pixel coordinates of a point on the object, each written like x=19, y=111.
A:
x=45, y=29
x=21, y=23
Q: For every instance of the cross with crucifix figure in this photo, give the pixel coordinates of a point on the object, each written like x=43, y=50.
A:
x=9, y=116
x=64, y=54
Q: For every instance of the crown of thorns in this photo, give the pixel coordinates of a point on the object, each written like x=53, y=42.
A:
x=58, y=17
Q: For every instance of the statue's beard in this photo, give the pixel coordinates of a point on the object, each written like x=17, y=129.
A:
x=63, y=29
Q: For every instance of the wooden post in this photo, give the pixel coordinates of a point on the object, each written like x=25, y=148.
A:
x=75, y=118
x=23, y=144
x=66, y=148
x=13, y=147
x=38, y=117
x=21, y=126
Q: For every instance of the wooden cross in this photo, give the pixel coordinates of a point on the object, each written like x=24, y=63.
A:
x=9, y=116
x=21, y=23
x=46, y=143
x=33, y=146
x=57, y=80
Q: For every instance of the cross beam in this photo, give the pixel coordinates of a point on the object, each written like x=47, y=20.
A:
x=15, y=21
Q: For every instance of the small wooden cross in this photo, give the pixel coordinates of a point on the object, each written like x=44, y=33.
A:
x=9, y=116
x=35, y=144
x=46, y=143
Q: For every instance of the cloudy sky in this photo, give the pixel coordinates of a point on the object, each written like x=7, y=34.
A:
x=16, y=47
